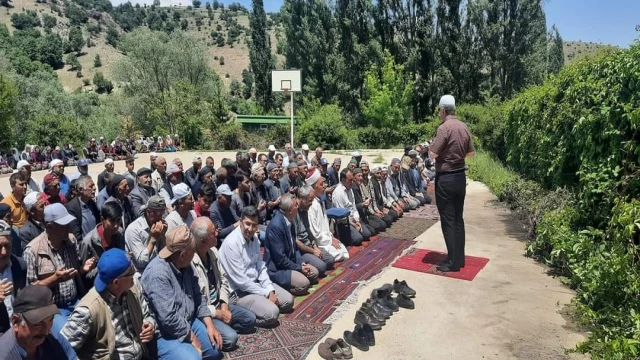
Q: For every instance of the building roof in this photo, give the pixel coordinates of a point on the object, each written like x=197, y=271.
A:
x=264, y=119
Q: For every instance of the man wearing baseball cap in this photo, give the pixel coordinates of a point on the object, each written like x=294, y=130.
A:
x=182, y=204
x=25, y=168
x=185, y=322
x=114, y=317
x=174, y=177
x=220, y=211
x=35, y=219
x=146, y=235
x=83, y=169
x=30, y=336
x=52, y=260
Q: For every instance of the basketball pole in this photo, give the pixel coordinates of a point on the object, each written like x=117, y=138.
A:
x=292, y=146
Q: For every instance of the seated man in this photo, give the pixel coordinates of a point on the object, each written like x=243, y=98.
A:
x=284, y=262
x=52, y=260
x=113, y=319
x=369, y=192
x=380, y=197
x=30, y=335
x=205, y=197
x=252, y=289
x=307, y=245
x=220, y=212
x=13, y=277
x=146, y=235
x=35, y=219
x=394, y=187
x=84, y=208
x=182, y=202
x=185, y=323
x=318, y=223
x=343, y=198
x=364, y=204
x=229, y=319
x=15, y=200
x=140, y=194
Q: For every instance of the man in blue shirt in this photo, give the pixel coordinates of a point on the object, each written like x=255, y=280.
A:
x=57, y=168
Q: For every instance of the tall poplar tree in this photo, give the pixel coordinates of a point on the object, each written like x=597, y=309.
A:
x=260, y=56
x=555, y=60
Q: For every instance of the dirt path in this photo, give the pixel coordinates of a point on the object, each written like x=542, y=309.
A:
x=511, y=310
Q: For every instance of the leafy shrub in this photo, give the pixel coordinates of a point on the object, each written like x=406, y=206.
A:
x=326, y=128
x=25, y=20
x=231, y=137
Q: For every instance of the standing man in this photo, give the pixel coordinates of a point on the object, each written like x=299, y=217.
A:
x=452, y=144
x=108, y=168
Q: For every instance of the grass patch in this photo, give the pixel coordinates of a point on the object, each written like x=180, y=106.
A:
x=379, y=159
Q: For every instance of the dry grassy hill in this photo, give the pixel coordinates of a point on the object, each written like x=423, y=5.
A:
x=236, y=55
x=576, y=50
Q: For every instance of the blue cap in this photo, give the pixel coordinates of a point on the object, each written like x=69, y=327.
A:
x=83, y=162
x=112, y=264
x=323, y=161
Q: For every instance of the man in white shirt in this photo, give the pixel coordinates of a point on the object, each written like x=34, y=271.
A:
x=247, y=273
x=343, y=198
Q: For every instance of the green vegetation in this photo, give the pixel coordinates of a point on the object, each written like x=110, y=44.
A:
x=572, y=145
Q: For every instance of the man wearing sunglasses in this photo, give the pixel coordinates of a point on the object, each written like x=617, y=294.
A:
x=113, y=318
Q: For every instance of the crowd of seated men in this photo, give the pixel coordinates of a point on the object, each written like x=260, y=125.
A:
x=163, y=262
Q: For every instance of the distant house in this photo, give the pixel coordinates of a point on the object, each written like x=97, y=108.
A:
x=256, y=123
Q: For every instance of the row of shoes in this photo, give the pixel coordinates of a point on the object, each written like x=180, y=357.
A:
x=371, y=316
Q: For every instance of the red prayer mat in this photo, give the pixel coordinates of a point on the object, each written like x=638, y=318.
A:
x=425, y=261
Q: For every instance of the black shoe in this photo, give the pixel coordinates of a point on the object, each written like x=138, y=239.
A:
x=381, y=307
x=371, y=337
x=447, y=268
x=375, y=307
x=374, y=314
x=363, y=317
x=385, y=299
x=357, y=338
x=386, y=287
x=404, y=301
x=401, y=287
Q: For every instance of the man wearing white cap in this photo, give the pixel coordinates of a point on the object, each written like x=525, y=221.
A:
x=108, y=168
x=35, y=219
x=305, y=154
x=182, y=202
x=57, y=169
x=452, y=144
x=25, y=168
x=271, y=157
x=173, y=178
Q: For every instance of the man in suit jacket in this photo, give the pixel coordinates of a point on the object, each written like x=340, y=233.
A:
x=84, y=208
x=284, y=262
x=140, y=194
x=13, y=277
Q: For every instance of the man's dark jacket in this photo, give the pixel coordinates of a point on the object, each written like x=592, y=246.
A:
x=281, y=253
x=19, y=274
x=74, y=207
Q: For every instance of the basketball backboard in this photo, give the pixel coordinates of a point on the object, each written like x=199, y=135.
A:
x=286, y=80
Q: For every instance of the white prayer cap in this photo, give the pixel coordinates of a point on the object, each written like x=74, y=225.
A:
x=447, y=100
x=31, y=200
x=55, y=162
x=108, y=161
x=272, y=148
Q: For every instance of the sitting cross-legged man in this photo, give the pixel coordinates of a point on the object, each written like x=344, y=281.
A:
x=229, y=319
x=248, y=278
x=286, y=266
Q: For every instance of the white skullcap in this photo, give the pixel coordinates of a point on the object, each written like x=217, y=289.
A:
x=108, y=161
x=447, y=100
x=272, y=148
x=30, y=200
x=55, y=162
x=23, y=163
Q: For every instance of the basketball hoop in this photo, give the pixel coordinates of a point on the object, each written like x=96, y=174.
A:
x=290, y=83
x=285, y=90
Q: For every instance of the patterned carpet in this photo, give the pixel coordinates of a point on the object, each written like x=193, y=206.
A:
x=366, y=263
x=426, y=212
x=291, y=340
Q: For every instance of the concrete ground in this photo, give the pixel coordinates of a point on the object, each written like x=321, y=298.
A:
x=511, y=310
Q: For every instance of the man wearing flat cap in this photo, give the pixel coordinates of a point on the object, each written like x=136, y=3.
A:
x=291, y=182
x=113, y=318
x=182, y=203
x=146, y=235
x=185, y=322
x=451, y=146
x=142, y=191
x=30, y=336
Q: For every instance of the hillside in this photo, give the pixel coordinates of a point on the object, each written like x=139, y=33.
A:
x=576, y=50
x=234, y=51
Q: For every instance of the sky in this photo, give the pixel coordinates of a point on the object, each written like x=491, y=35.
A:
x=603, y=21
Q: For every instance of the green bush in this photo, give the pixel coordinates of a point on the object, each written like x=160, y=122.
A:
x=326, y=128
x=230, y=137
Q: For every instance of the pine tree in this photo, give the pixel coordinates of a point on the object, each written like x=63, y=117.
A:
x=75, y=39
x=260, y=56
x=555, y=60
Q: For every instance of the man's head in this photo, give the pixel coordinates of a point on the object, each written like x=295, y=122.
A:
x=249, y=222
x=118, y=187
x=224, y=195
x=154, y=209
x=206, y=196
x=242, y=159
x=395, y=165
x=115, y=272
x=306, y=195
x=272, y=149
x=174, y=174
x=263, y=159
x=18, y=182
x=5, y=245
x=346, y=177
x=180, y=247
x=289, y=206
x=197, y=163
x=253, y=154
x=293, y=171
x=364, y=166
x=302, y=167
x=5, y=213
x=257, y=173
x=161, y=165
x=319, y=152
x=86, y=188
x=243, y=182
x=353, y=163
x=178, y=163
x=144, y=176
x=56, y=221
x=337, y=163
x=32, y=319
x=57, y=167
x=51, y=185
x=204, y=233
x=205, y=175
x=210, y=163
x=111, y=215
x=34, y=206
x=357, y=175
x=109, y=165
x=305, y=150
x=25, y=168
x=279, y=159
x=83, y=166
x=152, y=158
x=447, y=106
x=131, y=163
x=316, y=181
x=182, y=197
x=221, y=175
